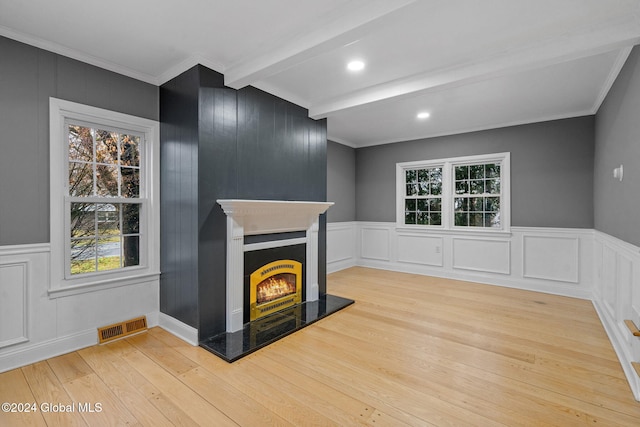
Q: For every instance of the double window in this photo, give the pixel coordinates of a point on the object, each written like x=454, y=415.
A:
x=103, y=227
x=458, y=193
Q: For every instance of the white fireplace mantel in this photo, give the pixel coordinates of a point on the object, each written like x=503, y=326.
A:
x=273, y=216
x=253, y=217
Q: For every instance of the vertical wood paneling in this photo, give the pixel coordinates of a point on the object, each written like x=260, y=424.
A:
x=217, y=179
x=178, y=183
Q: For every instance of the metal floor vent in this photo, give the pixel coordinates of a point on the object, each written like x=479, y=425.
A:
x=122, y=329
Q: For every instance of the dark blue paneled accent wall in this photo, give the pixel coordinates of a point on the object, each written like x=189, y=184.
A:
x=221, y=143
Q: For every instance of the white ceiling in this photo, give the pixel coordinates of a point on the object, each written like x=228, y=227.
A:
x=471, y=64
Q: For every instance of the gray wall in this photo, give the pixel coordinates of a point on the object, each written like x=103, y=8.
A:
x=341, y=182
x=28, y=77
x=617, y=141
x=551, y=170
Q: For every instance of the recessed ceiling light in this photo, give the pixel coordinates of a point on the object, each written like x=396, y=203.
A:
x=423, y=115
x=355, y=66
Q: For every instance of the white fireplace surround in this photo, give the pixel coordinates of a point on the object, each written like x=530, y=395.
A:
x=254, y=217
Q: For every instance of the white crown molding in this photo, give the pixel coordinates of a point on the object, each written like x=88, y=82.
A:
x=341, y=141
x=611, y=78
x=77, y=55
x=155, y=80
x=549, y=118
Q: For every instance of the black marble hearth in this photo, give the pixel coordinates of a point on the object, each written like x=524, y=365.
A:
x=232, y=346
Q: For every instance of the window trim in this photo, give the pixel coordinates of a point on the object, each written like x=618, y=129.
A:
x=448, y=178
x=60, y=112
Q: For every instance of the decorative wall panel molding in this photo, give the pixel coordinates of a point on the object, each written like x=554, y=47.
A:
x=374, y=243
x=419, y=249
x=551, y=258
x=13, y=303
x=482, y=255
x=341, y=245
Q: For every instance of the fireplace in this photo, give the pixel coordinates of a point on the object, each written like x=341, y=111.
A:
x=274, y=287
x=254, y=225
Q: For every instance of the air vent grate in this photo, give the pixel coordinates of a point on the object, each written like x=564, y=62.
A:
x=122, y=329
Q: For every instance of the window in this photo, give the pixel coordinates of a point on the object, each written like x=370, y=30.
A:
x=104, y=199
x=477, y=195
x=103, y=225
x=470, y=193
x=423, y=202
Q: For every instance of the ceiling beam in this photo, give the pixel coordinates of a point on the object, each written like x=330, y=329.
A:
x=343, y=28
x=569, y=47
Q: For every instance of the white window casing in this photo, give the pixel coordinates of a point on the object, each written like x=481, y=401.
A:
x=62, y=283
x=448, y=192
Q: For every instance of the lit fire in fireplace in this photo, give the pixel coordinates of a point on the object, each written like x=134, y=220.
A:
x=275, y=287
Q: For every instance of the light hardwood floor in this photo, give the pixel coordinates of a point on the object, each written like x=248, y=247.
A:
x=412, y=350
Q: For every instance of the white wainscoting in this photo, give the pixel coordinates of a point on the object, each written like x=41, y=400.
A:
x=341, y=245
x=551, y=260
x=34, y=326
x=616, y=297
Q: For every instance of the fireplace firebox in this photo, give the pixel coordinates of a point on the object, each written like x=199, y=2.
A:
x=275, y=286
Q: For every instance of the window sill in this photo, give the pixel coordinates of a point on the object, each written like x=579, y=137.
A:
x=457, y=231
x=102, y=284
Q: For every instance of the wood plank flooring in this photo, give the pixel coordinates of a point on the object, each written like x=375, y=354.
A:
x=412, y=350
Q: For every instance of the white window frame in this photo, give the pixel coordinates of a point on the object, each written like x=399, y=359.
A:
x=62, y=284
x=448, y=178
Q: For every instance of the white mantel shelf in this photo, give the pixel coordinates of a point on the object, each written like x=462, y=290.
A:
x=253, y=217
x=273, y=216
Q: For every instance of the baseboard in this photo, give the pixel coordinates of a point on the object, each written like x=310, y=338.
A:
x=25, y=353
x=508, y=281
x=28, y=354
x=621, y=351
x=335, y=266
x=179, y=329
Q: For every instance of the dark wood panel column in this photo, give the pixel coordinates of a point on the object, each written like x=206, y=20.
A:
x=219, y=143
